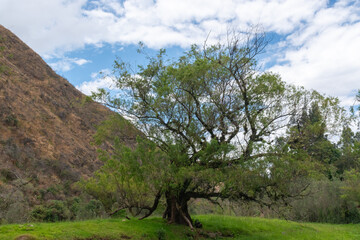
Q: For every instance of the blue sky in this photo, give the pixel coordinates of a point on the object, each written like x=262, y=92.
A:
x=316, y=43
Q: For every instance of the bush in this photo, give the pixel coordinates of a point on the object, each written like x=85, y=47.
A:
x=82, y=208
x=161, y=234
x=7, y=175
x=325, y=204
x=17, y=213
x=91, y=209
x=12, y=150
x=50, y=212
x=11, y=120
x=63, y=170
x=75, y=208
x=327, y=201
x=94, y=207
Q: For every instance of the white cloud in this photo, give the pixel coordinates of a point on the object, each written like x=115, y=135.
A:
x=320, y=51
x=81, y=61
x=52, y=27
x=324, y=54
x=46, y=25
x=99, y=80
x=66, y=64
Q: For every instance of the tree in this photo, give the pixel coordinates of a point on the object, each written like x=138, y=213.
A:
x=215, y=117
x=349, y=146
x=349, y=163
x=349, y=143
x=308, y=135
x=351, y=189
x=130, y=178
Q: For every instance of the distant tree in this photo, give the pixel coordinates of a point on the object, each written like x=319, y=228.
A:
x=308, y=135
x=349, y=146
x=349, y=164
x=215, y=118
x=351, y=189
x=358, y=107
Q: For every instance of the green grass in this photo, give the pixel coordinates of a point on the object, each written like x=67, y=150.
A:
x=216, y=227
x=264, y=229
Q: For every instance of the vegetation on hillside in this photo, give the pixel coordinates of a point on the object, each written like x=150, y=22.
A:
x=46, y=129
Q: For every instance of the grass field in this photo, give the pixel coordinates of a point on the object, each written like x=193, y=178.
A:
x=214, y=227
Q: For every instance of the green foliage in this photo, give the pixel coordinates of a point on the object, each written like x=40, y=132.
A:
x=215, y=118
x=129, y=178
x=4, y=69
x=85, y=100
x=81, y=209
x=17, y=212
x=351, y=190
x=6, y=175
x=308, y=136
x=11, y=120
x=75, y=208
x=324, y=203
x=94, y=207
x=161, y=234
x=53, y=211
x=349, y=145
x=113, y=129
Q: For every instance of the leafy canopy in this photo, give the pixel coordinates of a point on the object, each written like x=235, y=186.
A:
x=214, y=119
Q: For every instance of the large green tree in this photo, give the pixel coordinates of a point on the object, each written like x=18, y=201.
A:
x=215, y=118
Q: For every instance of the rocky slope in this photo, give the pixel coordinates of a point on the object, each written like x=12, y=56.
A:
x=46, y=125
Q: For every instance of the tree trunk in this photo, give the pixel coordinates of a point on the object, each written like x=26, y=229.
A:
x=177, y=210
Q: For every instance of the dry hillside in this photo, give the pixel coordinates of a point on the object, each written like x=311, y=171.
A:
x=46, y=125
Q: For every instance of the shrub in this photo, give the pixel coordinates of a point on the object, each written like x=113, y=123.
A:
x=325, y=204
x=11, y=120
x=63, y=170
x=7, y=175
x=85, y=100
x=50, y=212
x=17, y=213
x=161, y=234
x=94, y=207
x=90, y=209
x=12, y=150
x=82, y=208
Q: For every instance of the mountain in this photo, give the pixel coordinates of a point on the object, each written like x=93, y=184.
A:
x=46, y=126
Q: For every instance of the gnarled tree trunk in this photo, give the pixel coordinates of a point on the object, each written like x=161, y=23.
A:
x=177, y=210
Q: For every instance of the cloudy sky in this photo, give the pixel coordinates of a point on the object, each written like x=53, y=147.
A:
x=316, y=43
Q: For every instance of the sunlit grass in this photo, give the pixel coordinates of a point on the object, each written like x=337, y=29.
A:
x=214, y=226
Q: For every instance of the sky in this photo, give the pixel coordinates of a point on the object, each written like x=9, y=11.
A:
x=315, y=43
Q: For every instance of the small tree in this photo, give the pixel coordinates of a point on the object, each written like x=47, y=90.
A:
x=351, y=189
x=130, y=179
x=216, y=117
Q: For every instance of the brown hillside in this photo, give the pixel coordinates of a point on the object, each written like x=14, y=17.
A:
x=46, y=125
